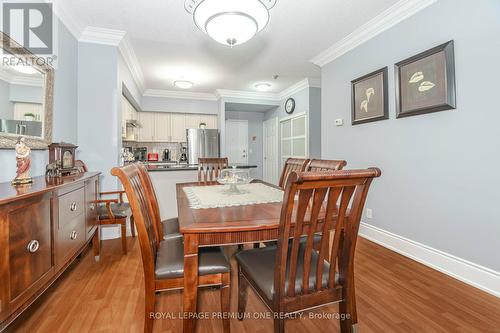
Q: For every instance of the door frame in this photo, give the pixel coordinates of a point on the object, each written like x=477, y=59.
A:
x=245, y=121
x=275, y=146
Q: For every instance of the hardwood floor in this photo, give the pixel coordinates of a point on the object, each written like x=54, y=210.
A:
x=394, y=294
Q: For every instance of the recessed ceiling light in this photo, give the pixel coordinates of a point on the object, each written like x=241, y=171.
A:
x=182, y=84
x=263, y=86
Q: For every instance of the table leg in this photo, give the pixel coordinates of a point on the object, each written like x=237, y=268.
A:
x=190, y=293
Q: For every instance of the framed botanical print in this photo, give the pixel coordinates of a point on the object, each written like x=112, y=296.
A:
x=426, y=82
x=369, y=100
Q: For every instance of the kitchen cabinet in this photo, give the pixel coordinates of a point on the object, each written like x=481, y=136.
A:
x=170, y=127
x=162, y=126
x=148, y=130
x=210, y=120
x=178, y=128
x=194, y=120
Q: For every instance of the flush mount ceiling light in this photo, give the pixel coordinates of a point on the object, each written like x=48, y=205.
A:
x=182, y=84
x=263, y=86
x=230, y=22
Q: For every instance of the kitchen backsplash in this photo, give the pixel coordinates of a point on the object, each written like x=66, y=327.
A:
x=158, y=147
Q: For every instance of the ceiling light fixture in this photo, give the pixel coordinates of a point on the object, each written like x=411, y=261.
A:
x=182, y=84
x=230, y=22
x=263, y=86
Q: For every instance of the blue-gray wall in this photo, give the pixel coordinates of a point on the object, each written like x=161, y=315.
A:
x=255, y=153
x=99, y=118
x=6, y=107
x=439, y=182
x=179, y=105
x=307, y=100
x=65, y=107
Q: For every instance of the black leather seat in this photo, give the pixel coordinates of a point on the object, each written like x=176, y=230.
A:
x=170, y=260
x=258, y=264
x=118, y=210
x=171, y=228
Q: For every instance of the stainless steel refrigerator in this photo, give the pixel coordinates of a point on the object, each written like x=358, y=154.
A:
x=202, y=143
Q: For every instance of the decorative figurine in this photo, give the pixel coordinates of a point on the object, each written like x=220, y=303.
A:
x=23, y=163
x=52, y=170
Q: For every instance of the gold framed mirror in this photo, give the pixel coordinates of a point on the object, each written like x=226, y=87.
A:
x=26, y=97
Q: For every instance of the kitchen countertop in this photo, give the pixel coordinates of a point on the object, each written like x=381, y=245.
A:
x=159, y=166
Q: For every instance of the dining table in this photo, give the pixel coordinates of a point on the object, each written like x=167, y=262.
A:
x=221, y=226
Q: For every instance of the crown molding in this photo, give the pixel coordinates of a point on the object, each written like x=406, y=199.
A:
x=251, y=95
x=70, y=21
x=179, y=94
x=20, y=79
x=380, y=23
x=132, y=62
x=301, y=85
x=103, y=36
x=28, y=81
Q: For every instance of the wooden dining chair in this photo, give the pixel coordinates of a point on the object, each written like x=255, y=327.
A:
x=163, y=260
x=292, y=276
x=210, y=168
x=292, y=164
x=315, y=165
x=112, y=211
x=165, y=229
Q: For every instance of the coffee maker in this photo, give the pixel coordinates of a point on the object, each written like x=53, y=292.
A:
x=183, y=158
x=166, y=155
x=140, y=154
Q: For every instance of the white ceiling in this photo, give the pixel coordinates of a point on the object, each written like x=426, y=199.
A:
x=169, y=46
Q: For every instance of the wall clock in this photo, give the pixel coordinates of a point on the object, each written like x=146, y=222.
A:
x=290, y=105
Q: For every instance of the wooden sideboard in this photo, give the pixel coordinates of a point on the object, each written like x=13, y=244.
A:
x=44, y=226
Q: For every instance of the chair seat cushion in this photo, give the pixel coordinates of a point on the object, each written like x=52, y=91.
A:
x=171, y=228
x=170, y=260
x=120, y=211
x=258, y=265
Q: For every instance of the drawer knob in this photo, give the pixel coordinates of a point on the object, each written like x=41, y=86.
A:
x=73, y=235
x=33, y=246
x=73, y=206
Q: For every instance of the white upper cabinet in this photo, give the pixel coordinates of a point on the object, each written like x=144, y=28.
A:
x=170, y=127
x=178, y=128
x=210, y=120
x=163, y=127
x=193, y=120
x=148, y=129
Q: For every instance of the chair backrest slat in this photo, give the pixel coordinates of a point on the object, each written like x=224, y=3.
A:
x=316, y=165
x=318, y=199
x=316, y=203
x=139, y=199
x=153, y=202
x=210, y=168
x=304, y=198
x=292, y=164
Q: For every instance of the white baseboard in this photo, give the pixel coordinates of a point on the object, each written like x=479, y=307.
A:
x=478, y=276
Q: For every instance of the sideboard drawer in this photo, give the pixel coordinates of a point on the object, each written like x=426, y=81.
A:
x=30, y=245
x=70, y=237
x=71, y=205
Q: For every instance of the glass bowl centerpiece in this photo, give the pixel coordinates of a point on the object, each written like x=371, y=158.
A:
x=234, y=177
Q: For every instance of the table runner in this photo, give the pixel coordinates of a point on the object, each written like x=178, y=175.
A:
x=216, y=196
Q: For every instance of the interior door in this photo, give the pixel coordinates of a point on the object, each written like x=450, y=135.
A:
x=237, y=141
x=270, y=151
